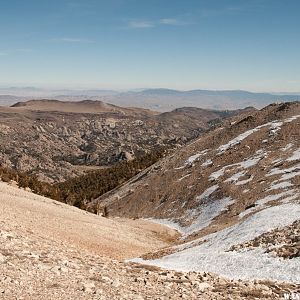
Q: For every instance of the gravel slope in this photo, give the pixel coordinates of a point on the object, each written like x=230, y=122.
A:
x=49, y=250
x=117, y=238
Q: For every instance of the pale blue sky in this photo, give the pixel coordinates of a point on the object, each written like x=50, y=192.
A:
x=183, y=44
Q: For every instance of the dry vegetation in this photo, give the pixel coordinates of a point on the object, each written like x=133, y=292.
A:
x=80, y=191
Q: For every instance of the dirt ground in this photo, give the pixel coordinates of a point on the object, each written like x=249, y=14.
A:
x=116, y=238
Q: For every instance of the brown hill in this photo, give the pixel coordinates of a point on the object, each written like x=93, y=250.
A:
x=197, y=165
x=57, y=140
x=85, y=106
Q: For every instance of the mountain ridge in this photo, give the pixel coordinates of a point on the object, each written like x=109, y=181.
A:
x=158, y=99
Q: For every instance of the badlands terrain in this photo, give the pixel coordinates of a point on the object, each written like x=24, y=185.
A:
x=57, y=140
x=217, y=218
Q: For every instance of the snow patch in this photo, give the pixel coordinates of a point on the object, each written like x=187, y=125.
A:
x=207, y=163
x=286, y=174
x=235, y=177
x=245, y=164
x=236, y=140
x=275, y=126
x=208, y=192
x=280, y=185
x=203, y=218
x=241, y=182
x=262, y=203
x=291, y=119
x=269, y=198
x=185, y=176
x=295, y=156
x=192, y=159
x=167, y=222
x=212, y=255
x=287, y=147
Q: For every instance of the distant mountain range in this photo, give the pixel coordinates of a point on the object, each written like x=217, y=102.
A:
x=159, y=99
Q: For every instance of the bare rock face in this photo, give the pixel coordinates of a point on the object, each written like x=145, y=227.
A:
x=57, y=140
x=124, y=155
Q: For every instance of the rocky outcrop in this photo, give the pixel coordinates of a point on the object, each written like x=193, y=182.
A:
x=282, y=242
x=57, y=140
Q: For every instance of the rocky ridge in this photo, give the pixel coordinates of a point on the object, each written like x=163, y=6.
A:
x=241, y=155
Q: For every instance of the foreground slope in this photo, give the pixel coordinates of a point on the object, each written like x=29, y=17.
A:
x=226, y=193
x=118, y=238
x=53, y=251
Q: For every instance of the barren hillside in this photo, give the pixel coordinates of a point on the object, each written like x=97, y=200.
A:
x=231, y=186
x=53, y=251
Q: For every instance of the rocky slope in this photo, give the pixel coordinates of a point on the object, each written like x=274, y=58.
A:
x=224, y=192
x=76, y=255
x=56, y=140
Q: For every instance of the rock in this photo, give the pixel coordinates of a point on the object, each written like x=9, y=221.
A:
x=106, y=279
x=64, y=269
x=202, y=286
x=56, y=270
x=2, y=258
x=116, y=283
x=88, y=287
x=137, y=297
x=99, y=292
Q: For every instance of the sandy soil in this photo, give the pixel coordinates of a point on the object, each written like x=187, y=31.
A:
x=116, y=238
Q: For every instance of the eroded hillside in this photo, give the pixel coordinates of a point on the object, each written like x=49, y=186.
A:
x=56, y=140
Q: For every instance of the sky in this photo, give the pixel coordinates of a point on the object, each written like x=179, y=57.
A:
x=125, y=44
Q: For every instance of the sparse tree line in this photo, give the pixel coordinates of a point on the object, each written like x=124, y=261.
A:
x=79, y=191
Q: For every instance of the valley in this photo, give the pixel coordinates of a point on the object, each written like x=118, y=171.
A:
x=215, y=215
x=150, y=150
x=54, y=140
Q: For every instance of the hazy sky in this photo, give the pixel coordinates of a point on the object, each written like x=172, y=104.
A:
x=184, y=44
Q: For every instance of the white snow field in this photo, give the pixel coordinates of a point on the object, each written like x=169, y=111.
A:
x=204, y=216
x=213, y=255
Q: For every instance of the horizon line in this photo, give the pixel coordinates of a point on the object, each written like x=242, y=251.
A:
x=135, y=89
